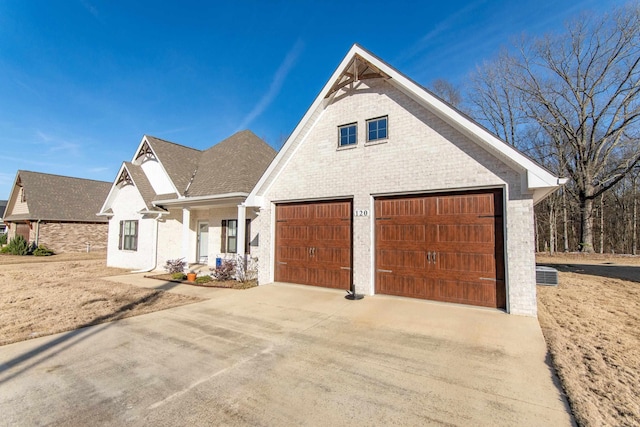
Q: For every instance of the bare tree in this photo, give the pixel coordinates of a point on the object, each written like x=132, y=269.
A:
x=495, y=102
x=447, y=91
x=582, y=89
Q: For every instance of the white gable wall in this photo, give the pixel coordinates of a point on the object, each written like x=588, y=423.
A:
x=126, y=204
x=157, y=177
x=422, y=154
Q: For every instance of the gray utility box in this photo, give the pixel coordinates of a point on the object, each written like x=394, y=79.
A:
x=546, y=276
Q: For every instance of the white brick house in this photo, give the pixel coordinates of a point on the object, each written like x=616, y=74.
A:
x=172, y=201
x=385, y=188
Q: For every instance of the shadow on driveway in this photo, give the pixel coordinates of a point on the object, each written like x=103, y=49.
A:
x=71, y=338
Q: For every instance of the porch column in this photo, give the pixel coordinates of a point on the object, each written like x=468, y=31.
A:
x=186, y=224
x=242, y=229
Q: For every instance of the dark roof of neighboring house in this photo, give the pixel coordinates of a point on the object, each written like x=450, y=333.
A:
x=3, y=206
x=179, y=161
x=61, y=198
x=233, y=165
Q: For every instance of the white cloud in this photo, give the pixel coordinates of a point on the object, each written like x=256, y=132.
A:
x=276, y=85
x=442, y=27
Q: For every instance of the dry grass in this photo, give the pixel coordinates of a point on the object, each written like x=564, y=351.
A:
x=45, y=295
x=592, y=328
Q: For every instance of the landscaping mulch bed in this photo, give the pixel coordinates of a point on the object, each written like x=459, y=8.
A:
x=228, y=284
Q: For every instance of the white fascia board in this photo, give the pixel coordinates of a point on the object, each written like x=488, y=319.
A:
x=108, y=200
x=232, y=198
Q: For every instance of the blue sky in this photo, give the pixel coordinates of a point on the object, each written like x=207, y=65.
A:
x=81, y=81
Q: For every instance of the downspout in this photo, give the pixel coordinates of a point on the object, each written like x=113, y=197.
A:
x=154, y=263
x=38, y=232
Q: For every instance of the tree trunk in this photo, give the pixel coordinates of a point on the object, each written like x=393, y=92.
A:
x=634, y=220
x=602, y=223
x=552, y=241
x=565, y=235
x=586, y=224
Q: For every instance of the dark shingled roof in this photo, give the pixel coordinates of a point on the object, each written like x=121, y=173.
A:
x=233, y=165
x=62, y=198
x=3, y=205
x=179, y=161
x=143, y=185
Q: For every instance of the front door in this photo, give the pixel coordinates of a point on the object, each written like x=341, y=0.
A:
x=203, y=242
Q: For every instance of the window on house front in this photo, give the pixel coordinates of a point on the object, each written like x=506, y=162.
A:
x=23, y=197
x=347, y=135
x=229, y=237
x=128, y=235
x=377, y=129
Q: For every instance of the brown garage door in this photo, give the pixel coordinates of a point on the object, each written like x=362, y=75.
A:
x=313, y=244
x=443, y=247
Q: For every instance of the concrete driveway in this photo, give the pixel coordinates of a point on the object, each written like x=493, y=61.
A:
x=288, y=355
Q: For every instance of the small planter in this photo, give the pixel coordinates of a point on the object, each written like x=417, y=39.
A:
x=191, y=277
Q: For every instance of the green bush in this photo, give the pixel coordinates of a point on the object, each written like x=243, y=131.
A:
x=42, y=250
x=3, y=239
x=204, y=279
x=18, y=246
x=4, y=250
x=178, y=276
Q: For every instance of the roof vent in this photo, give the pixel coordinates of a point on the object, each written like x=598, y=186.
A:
x=546, y=276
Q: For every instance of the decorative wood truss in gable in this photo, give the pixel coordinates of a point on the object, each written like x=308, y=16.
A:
x=357, y=69
x=146, y=152
x=124, y=179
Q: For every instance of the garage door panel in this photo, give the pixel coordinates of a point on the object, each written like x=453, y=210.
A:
x=407, y=259
x=292, y=254
x=476, y=293
x=313, y=244
x=466, y=205
x=458, y=258
x=466, y=233
x=409, y=286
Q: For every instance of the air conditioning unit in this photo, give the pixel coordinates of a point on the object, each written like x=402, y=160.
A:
x=546, y=276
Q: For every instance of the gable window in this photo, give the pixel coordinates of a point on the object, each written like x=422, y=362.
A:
x=229, y=236
x=23, y=197
x=128, y=236
x=347, y=135
x=377, y=129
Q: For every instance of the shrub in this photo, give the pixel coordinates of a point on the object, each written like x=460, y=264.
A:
x=246, y=269
x=178, y=276
x=203, y=279
x=18, y=246
x=3, y=239
x=5, y=250
x=225, y=270
x=42, y=250
x=175, y=265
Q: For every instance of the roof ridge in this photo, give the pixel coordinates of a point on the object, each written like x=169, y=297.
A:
x=171, y=142
x=62, y=176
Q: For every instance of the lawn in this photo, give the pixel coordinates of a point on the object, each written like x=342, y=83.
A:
x=45, y=295
x=592, y=327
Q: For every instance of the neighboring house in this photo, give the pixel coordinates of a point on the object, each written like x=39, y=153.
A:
x=3, y=207
x=384, y=186
x=172, y=201
x=57, y=211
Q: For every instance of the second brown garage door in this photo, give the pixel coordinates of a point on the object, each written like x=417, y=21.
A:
x=443, y=247
x=313, y=244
